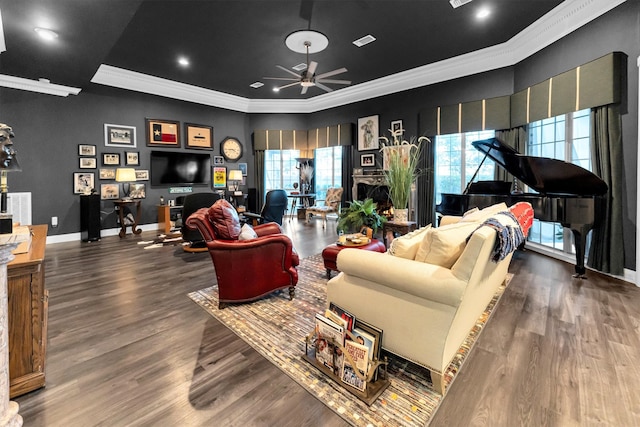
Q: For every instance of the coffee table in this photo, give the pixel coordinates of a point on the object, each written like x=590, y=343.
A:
x=330, y=253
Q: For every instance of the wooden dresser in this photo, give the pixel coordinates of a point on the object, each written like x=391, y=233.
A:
x=28, y=305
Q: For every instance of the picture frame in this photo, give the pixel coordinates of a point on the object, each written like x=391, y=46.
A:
x=86, y=150
x=83, y=182
x=109, y=191
x=119, y=135
x=111, y=159
x=132, y=158
x=367, y=160
x=88, y=163
x=243, y=168
x=368, y=133
x=137, y=190
x=199, y=137
x=162, y=133
x=107, y=173
x=396, y=126
x=219, y=177
x=142, y=175
x=218, y=160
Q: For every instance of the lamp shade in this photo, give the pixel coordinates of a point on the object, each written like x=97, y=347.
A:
x=125, y=174
x=235, y=175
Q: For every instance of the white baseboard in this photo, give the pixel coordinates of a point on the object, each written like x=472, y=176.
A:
x=76, y=237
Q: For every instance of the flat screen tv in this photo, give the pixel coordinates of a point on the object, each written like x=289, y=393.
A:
x=178, y=168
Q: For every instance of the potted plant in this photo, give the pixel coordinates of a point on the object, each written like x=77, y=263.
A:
x=400, y=158
x=360, y=214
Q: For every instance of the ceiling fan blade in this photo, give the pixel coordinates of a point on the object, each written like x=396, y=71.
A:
x=311, y=69
x=332, y=73
x=340, y=82
x=289, y=85
x=323, y=87
x=288, y=70
x=282, y=78
x=304, y=90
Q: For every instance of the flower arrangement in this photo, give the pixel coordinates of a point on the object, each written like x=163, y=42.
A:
x=401, y=159
x=306, y=175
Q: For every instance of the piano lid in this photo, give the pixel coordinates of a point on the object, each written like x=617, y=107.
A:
x=544, y=175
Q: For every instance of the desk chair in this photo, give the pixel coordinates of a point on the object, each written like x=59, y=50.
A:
x=275, y=205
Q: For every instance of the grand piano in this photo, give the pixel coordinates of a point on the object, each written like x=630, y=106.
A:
x=567, y=193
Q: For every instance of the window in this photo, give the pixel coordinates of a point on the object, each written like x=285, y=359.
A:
x=280, y=170
x=566, y=138
x=456, y=162
x=328, y=169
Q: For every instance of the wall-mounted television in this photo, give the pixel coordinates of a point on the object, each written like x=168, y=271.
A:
x=179, y=168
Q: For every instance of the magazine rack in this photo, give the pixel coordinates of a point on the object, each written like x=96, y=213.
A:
x=373, y=388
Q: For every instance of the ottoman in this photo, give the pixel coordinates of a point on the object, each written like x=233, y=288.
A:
x=330, y=253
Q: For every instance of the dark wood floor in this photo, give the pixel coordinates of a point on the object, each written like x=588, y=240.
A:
x=127, y=347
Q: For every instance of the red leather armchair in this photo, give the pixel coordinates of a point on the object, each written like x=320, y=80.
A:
x=246, y=269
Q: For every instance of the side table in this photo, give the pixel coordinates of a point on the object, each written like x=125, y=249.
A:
x=120, y=204
x=397, y=227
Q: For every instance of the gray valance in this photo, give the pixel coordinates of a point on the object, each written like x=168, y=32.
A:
x=593, y=84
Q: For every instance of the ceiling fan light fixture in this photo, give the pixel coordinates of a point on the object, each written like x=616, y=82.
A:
x=307, y=83
x=46, y=34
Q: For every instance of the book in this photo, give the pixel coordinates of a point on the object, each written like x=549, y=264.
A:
x=328, y=335
x=335, y=318
x=376, y=334
x=350, y=318
x=360, y=355
x=365, y=339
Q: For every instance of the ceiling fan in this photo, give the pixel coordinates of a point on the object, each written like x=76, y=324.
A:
x=308, y=78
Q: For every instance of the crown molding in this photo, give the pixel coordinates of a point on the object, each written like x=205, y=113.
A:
x=562, y=20
x=41, y=86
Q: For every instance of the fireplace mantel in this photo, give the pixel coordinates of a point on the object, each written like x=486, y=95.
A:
x=372, y=179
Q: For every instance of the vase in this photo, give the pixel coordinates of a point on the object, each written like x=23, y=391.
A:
x=400, y=215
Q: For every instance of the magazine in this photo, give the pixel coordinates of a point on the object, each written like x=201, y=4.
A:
x=328, y=335
x=350, y=318
x=360, y=356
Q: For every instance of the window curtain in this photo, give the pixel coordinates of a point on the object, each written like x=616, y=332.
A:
x=347, y=171
x=425, y=184
x=515, y=138
x=259, y=168
x=606, y=252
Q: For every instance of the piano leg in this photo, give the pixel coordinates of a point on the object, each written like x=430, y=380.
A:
x=580, y=241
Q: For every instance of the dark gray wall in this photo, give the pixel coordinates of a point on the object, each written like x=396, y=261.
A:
x=49, y=129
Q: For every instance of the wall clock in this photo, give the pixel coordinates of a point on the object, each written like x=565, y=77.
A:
x=231, y=149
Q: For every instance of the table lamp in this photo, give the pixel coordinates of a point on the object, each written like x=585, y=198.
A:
x=8, y=163
x=236, y=176
x=126, y=176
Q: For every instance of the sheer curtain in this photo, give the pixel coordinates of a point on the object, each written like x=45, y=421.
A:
x=606, y=252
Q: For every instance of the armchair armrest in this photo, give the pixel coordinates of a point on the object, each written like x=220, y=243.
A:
x=268, y=228
x=199, y=220
x=420, y=279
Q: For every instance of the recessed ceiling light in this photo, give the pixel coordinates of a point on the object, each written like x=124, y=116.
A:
x=276, y=89
x=364, y=40
x=46, y=34
x=483, y=13
x=183, y=61
x=256, y=85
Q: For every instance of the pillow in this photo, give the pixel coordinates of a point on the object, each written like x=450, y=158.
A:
x=443, y=245
x=407, y=246
x=483, y=214
x=247, y=233
x=224, y=219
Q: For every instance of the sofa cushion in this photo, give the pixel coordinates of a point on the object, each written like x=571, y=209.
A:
x=407, y=246
x=247, y=233
x=224, y=219
x=483, y=214
x=443, y=245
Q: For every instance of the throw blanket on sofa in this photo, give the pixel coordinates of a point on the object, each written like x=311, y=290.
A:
x=509, y=234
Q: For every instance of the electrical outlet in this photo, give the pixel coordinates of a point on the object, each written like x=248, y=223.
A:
x=54, y=221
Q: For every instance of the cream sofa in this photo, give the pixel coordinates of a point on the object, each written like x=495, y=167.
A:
x=427, y=296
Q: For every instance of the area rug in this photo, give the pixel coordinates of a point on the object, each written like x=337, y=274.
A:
x=276, y=328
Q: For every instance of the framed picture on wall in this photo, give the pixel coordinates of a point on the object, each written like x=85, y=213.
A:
x=109, y=191
x=368, y=133
x=163, y=133
x=111, y=159
x=88, y=163
x=86, y=150
x=132, y=158
x=219, y=177
x=142, y=175
x=396, y=126
x=218, y=160
x=107, y=174
x=137, y=191
x=243, y=168
x=83, y=182
x=199, y=136
x=367, y=160
x=119, y=136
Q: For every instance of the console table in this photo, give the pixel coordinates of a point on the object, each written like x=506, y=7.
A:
x=28, y=315
x=120, y=204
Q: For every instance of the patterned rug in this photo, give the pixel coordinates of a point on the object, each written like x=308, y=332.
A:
x=276, y=328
